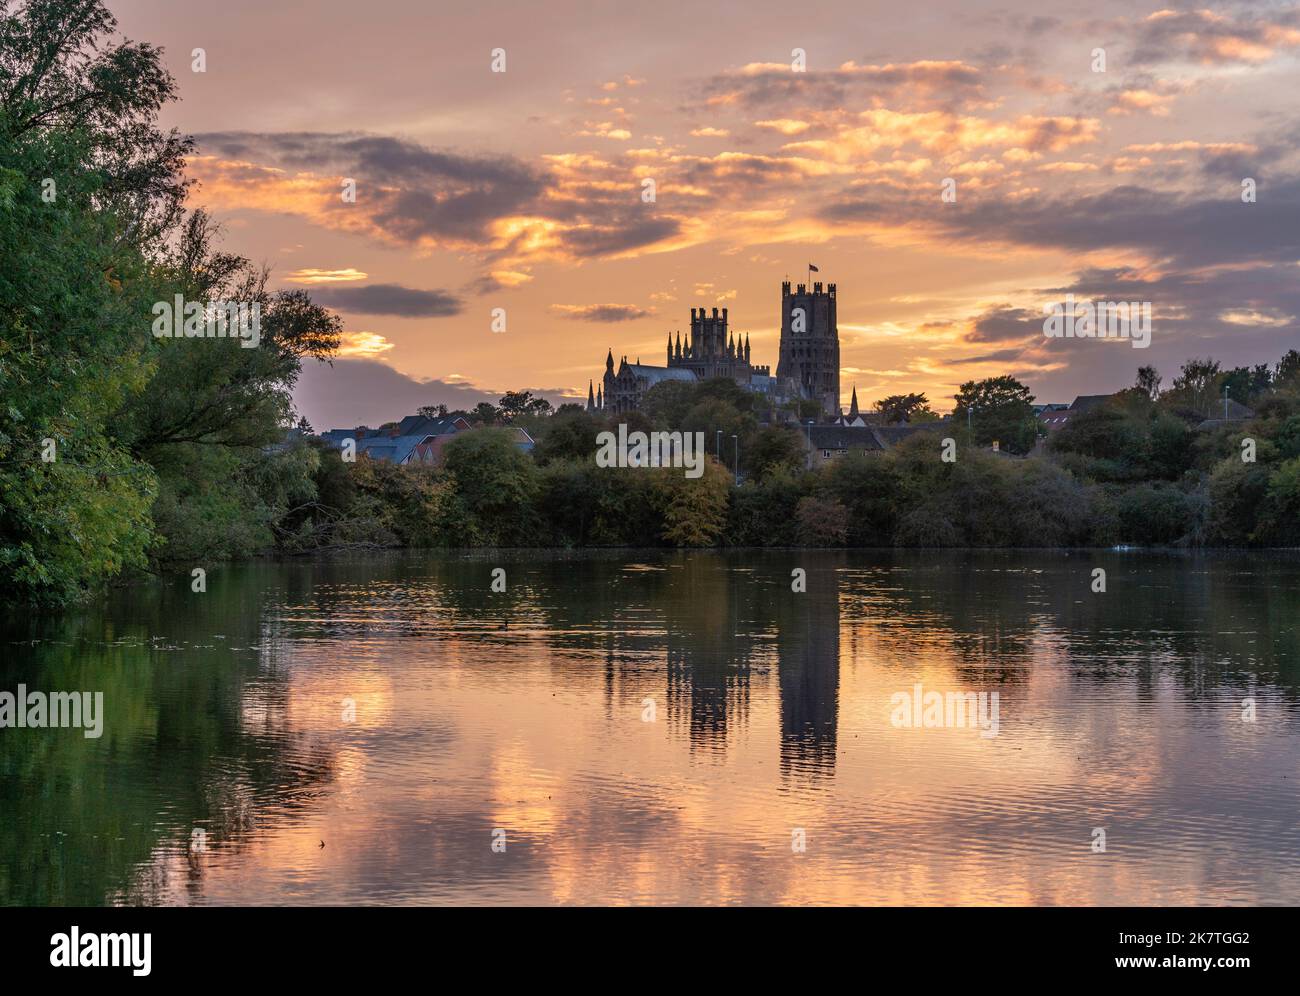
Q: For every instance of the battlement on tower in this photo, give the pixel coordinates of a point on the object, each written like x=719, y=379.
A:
x=801, y=290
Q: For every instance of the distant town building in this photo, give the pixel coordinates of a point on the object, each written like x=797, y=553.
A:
x=416, y=439
x=1057, y=416
x=831, y=442
x=1225, y=411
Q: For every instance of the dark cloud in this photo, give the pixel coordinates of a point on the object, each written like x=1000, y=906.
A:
x=747, y=171
x=486, y=284
x=606, y=240
x=389, y=299
x=1212, y=228
x=996, y=356
x=603, y=312
x=829, y=89
x=409, y=193
x=408, y=190
x=1004, y=324
x=1210, y=37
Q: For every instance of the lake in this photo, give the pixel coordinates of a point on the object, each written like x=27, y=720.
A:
x=666, y=727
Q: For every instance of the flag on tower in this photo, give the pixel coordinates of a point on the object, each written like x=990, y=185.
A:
x=813, y=269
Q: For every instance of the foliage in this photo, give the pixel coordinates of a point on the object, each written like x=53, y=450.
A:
x=901, y=408
x=1000, y=408
x=821, y=521
x=75, y=291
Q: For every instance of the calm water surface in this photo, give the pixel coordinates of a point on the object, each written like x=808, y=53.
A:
x=526, y=711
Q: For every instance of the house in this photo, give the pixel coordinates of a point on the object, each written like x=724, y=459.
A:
x=1231, y=411
x=416, y=439
x=830, y=442
x=401, y=450
x=1056, y=416
x=416, y=424
x=433, y=447
x=1054, y=419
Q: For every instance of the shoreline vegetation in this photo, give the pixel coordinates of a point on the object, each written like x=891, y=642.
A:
x=122, y=451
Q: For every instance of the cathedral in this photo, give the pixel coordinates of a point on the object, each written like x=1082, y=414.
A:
x=808, y=368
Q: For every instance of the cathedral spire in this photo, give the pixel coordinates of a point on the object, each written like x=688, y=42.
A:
x=853, y=405
x=609, y=360
x=591, y=398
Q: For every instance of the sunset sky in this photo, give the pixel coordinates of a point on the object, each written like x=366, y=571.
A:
x=522, y=190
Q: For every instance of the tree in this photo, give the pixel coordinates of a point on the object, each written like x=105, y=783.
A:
x=804, y=409
x=1196, y=387
x=667, y=403
x=870, y=488
x=822, y=521
x=213, y=407
x=1287, y=371
x=1245, y=384
x=570, y=435
x=79, y=108
x=517, y=403
x=63, y=73
x=773, y=449
x=1001, y=408
x=694, y=511
x=1104, y=444
x=1279, y=514
x=899, y=408
x=495, y=483
x=1148, y=381
x=432, y=411
x=484, y=413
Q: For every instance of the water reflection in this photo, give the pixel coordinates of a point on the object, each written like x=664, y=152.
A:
x=471, y=711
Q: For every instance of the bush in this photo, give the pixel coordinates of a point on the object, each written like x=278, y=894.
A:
x=821, y=522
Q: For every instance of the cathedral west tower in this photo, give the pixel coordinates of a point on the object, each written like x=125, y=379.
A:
x=810, y=343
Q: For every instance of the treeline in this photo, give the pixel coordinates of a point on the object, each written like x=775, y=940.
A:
x=1142, y=468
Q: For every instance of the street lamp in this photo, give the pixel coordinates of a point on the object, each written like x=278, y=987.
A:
x=737, y=474
x=718, y=448
x=810, y=425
